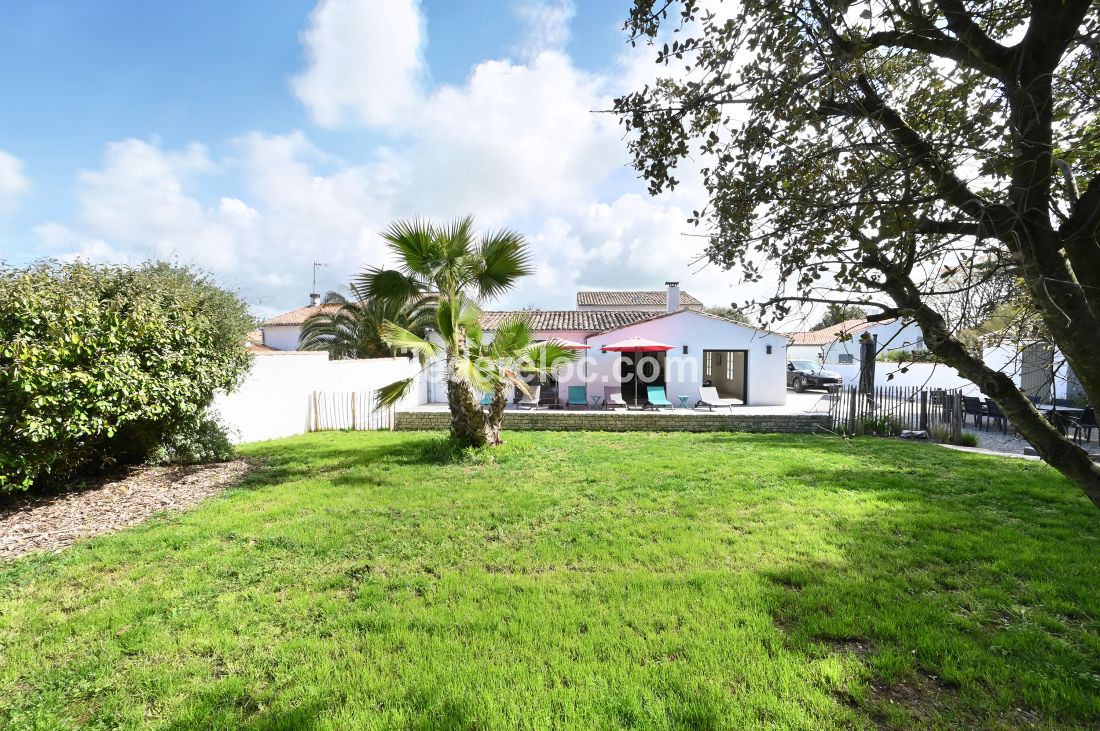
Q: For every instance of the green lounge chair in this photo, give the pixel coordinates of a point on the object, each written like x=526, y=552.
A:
x=486, y=400
x=656, y=397
x=577, y=397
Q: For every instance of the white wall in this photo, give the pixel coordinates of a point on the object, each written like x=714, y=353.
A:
x=282, y=337
x=684, y=373
x=921, y=375
x=274, y=400
x=804, y=352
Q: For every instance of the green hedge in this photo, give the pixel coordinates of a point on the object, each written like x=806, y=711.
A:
x=102, y=366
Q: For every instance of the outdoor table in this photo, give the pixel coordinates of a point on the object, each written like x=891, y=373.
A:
x=683, y=400
x=596, y=401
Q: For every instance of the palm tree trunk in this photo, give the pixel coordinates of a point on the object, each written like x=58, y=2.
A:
x=468, y=425
x=495, y=418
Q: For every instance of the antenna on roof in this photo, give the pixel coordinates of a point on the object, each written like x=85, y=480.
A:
x=314, y=297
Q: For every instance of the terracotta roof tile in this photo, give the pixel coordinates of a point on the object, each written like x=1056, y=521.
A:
x=644, y=298
x=298, y=316
x=829, y=334
x=563, y=320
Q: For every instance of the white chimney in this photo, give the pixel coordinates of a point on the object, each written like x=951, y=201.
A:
x=314, y=299
x=673, y=296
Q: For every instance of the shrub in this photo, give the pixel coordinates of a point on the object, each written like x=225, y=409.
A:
x=196, y=441
x=941, y=432
x=101, y=366
x=909, y=356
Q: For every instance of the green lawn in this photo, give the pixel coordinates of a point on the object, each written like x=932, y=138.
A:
x=576, y=580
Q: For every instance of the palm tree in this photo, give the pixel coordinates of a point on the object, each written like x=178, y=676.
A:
x=447, y=271
x=351, y=327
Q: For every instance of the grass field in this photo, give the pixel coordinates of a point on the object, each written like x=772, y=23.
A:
x=576, y=581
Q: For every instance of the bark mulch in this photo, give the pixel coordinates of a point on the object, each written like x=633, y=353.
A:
x=53, y=522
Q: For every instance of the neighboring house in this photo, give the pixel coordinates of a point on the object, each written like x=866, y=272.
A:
x=281, y=332
x=839, y=344
x=741, y=361
x=670, y=299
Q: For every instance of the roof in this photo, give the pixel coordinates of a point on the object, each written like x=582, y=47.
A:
x=831, y=333
x=298, y=316
x=633, y=298
x=562, y=320
x=700, y=313
x=257, y=348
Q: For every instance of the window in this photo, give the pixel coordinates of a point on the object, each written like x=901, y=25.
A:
x=846, y=358
x=708, y=364
x=729, y=367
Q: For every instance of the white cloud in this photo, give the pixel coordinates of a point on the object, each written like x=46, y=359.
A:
x=365, y=62
x=517, y=144
x=13, y=182
x=545, y=26
x=514, y=138
x=136, y=207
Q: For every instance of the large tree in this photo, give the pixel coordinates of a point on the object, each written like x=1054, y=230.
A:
x=446, y=271
x=880, y=153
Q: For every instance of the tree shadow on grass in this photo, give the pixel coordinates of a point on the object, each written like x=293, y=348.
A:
x=969, y=601
x=293, y=462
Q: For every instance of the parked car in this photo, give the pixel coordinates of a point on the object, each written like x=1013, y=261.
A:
x=803, y=374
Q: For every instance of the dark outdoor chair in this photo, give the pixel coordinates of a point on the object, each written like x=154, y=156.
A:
x=972, y=406
x=1058, y=420
x=1084, y=423
x=995, y=415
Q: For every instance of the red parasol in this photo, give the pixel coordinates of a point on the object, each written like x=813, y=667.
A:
x=636, y=345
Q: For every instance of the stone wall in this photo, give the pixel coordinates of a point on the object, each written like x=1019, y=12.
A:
x=629, y=421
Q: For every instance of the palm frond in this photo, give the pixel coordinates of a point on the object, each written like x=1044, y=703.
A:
x=473, y=372
x=391, y=393
x=457, y=239
x=512, y=337
x=400, y=338
x=504, y=258
x=416, y=244
x=547, y=357
x=388, y=284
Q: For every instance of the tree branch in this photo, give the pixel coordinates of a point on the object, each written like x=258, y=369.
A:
x=973, y=37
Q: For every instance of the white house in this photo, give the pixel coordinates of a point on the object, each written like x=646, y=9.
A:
x=839, y=344
x=741, y=361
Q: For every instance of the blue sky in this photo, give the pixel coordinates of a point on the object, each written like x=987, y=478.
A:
x=252, y=137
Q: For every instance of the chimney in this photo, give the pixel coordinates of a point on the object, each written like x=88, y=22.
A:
x=314, y=299
x=673, y=296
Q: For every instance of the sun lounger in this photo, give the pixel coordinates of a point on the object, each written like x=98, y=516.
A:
x=656, y=397
x=577, y=397
x=708, y=396
x=614, y=399
x=532, y=401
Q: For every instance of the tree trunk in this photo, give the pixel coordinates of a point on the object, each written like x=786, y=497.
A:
x=468, y=425
x=495, y=418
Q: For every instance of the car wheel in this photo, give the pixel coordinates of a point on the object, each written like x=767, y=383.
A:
x=798, y=384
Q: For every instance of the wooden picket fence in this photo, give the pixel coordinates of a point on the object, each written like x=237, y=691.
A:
x=356, y=410
x=888, y=410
